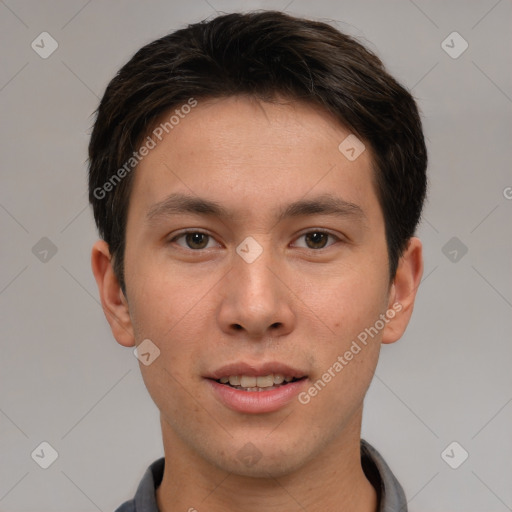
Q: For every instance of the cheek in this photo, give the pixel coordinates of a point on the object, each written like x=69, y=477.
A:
x=176, y=311
x=350, y=304
x=349, y=299
x=171, y=314
x=163, y=301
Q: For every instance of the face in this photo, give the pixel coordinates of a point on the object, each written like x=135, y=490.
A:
x=255, y=255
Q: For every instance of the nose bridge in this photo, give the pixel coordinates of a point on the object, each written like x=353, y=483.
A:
x=256, y=282
x=255, y=301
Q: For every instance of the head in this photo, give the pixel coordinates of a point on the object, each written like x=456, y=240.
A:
x=236, y=229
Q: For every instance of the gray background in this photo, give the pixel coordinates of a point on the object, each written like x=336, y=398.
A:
x=64, y=380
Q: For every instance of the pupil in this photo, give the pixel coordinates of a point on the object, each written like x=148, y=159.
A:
x=196, y=240
x=316, y=240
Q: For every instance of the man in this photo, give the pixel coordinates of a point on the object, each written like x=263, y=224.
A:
x=257, y=181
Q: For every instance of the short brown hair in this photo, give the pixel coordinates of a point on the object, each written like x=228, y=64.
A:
x=264, y=55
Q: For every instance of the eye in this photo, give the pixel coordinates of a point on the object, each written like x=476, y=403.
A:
x=195, y=240
x=316, y=240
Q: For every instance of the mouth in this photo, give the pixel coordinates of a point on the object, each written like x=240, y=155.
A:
x=256, y=388
x=257, y=383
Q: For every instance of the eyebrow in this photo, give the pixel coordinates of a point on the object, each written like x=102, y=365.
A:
x=326, y=204
x=181, y=203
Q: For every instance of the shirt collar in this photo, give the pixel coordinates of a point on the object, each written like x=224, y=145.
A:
x=391, y=497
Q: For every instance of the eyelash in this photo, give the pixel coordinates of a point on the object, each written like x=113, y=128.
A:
x=317, y=231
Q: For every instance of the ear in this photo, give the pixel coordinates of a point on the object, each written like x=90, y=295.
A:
x=113, y=301
x=403, y=290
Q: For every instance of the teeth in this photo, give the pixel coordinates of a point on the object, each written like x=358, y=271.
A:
x=247, y=382
x=252, y=383
x=265, y=382
x=234, y=380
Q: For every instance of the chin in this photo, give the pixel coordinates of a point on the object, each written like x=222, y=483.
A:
x=255, y=460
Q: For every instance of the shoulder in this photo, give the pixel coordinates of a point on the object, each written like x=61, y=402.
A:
x=145, y=498
x=127, y=506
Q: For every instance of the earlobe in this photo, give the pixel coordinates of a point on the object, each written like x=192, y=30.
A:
x=112, y=298
x=403, y=290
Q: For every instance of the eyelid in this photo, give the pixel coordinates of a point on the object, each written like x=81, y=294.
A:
x=337, y=237
x=179, y=234
x=184, y=231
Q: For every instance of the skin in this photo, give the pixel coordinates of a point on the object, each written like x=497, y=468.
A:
x=297, y=303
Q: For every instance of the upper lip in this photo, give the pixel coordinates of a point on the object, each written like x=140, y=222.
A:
x=256, y=369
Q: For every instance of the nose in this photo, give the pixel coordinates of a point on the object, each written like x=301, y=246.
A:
x=255, y=301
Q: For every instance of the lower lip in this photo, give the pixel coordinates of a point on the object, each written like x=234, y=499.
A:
x=254, y=402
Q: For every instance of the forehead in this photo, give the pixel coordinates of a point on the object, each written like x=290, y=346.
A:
x=239, y=149
x=241, y=123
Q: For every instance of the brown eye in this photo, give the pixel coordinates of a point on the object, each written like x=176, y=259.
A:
x=196, y=240
x=316, y=239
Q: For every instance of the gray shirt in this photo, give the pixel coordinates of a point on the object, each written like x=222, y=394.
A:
x=390, y=494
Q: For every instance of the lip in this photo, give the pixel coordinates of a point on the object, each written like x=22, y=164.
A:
x=255, y=370
x=256, y=402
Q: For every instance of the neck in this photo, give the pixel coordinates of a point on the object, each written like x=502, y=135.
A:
x=332, y=481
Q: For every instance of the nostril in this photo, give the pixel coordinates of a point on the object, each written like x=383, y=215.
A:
x=276, y=325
